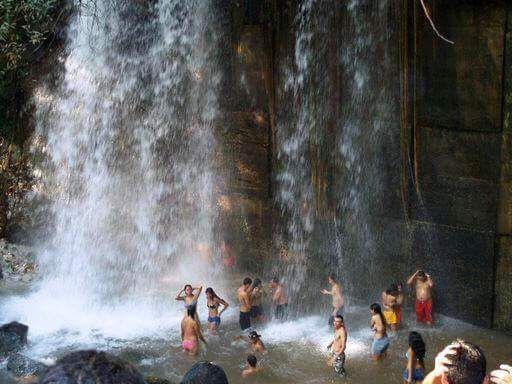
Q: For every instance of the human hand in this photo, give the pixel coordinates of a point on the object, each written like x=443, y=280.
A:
x=502, y=375
x=443, y=359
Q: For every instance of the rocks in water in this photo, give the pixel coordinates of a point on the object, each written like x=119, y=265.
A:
x=84, y=367
x=204, y=372
x=156, y=380
x=20, y=365
x=13, y=337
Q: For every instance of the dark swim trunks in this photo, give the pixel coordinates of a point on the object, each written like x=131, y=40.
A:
x=339, y=364
x=280, y=311
x=256, y=311
x=245, y=320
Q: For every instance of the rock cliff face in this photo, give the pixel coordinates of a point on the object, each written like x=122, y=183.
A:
x=429, y=133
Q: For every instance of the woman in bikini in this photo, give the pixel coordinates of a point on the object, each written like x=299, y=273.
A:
x=415, y=371
x=190, y=297
x=191, y=332
x=213, y=303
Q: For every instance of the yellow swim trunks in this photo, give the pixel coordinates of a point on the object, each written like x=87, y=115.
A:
x=390, y=317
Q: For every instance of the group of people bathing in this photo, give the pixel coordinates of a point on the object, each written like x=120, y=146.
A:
x=461, y=362
x=250, y=295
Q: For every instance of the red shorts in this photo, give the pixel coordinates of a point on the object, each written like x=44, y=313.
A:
x=423, y=311
x=398, y=313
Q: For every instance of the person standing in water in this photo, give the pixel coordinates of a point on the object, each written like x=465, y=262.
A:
x=279, y=299
x=422, y=284
x=213, y=302
x=400, y=299
x=244, y=298
x=256, y=301
x=388, y=307
x=337, y=346
x=191, y=332
x=189, y=295
x=337, y=297
x=415, y=371
x=380, y=338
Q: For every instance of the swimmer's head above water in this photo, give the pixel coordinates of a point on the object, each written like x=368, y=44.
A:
x=247, y=281
x=188, y=290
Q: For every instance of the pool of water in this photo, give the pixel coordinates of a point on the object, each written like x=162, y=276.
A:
x=296, y=348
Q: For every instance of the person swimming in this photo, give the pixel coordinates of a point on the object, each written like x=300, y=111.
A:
x=213, y=302
x=380, y=338
x=415, y=370
x=251, y=368
x=191, y=332
x=255, y=342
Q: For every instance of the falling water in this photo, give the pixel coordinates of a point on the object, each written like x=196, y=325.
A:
x=128, y=142
x=361, y=117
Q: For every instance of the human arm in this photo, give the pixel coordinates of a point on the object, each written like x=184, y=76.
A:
x=200, y=334
x=430, y=282
x=442, y=364
x=178, y=296
x=225, y=306
x=197, y=292
x=502, y=375
x=410, y=357
x=411, y=279
x=326, y=292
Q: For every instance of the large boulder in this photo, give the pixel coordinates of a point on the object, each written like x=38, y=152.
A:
x=20, y=365
x=87, y=367
x=204, y=372
x=13, y=337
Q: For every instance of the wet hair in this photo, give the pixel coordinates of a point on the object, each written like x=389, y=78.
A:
x=468, y=365
x=212, y=292
x=333, y=277
x=256, y=282
x=378, y=310
x=339, y=317
x=275, y=279
x=191, y=311
x=252, y=360
x=417, y=345
x=421, y=273
x=186, y=286
x=247, y=281
x=399, y=284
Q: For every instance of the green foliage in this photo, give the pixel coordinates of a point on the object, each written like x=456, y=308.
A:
x=25, y=25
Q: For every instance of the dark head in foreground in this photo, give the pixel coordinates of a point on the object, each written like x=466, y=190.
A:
x=204, y=372
x=252, y=360
x=467, y=365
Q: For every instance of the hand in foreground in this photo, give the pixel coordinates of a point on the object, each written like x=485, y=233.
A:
x=442, y=363
x=502, y=375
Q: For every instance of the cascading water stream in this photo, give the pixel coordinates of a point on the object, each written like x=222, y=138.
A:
x=127, y=140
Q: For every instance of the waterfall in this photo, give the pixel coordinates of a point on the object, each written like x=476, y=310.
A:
x=127, y=140
x=339, y=112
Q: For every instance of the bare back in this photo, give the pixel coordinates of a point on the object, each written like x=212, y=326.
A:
x=337, y=296
x=244, y=299
x=189, y=329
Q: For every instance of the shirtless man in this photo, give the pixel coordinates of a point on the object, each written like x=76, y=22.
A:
x=251, y=368
x=244, y=297
x=256, y=301
x=380, y=343
x=191, y=332
x=256, y=344
x=338, y=345
x=337, y=297
x=279, y=299
x=422, y=284
x=389, y=303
